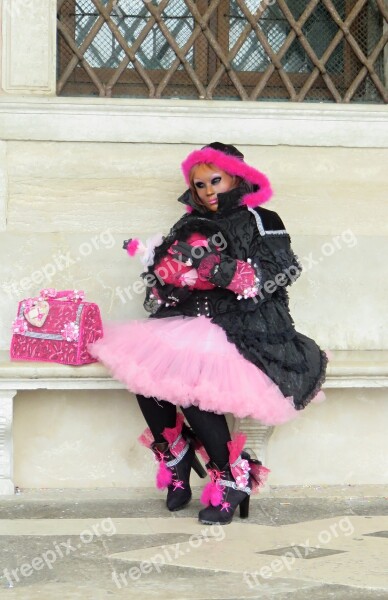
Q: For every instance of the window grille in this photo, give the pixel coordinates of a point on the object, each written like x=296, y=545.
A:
x=296, y=50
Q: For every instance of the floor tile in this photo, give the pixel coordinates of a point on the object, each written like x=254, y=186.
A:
x=79, y=547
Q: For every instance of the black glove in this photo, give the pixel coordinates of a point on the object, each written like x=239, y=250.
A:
x=192, y=255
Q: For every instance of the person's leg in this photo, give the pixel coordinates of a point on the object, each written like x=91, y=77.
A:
x=231, y=482
x=172, y=449
x=158, y=415
x=213, y=432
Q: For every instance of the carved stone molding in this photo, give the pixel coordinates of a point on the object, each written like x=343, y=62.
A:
x=6, y=443
x=257, y=436
x=29, y=47
x=191, y=122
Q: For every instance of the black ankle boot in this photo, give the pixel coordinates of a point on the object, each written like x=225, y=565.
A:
x=176, y=457
x=227, y=496
x=176, y=469
x=232, y=485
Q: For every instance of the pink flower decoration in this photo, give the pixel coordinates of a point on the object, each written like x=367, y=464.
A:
x=78, y=295
x=71, y=331
x=29, y=303
x=240, y=473
x=244, y=464
x=48, y=293
x=19, y=325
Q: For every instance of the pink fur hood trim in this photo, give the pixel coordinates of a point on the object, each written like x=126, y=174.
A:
x=233, y=166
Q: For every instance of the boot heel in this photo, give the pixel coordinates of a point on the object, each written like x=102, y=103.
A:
x=198, y=468
x=244, y=508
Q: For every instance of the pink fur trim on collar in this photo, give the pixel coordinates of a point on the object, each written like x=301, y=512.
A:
x=233, y=166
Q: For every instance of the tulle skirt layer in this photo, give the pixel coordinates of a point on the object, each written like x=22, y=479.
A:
x=189, y=361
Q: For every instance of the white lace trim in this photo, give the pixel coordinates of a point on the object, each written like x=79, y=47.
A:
x=260, y=225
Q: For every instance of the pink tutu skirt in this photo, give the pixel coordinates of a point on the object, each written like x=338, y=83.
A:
x=189, y=361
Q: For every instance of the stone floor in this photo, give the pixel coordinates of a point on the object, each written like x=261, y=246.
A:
x=298, y=543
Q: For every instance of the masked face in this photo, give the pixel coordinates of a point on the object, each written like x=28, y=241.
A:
x=209, y=181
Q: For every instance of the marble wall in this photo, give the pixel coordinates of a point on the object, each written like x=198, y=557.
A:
x=70, y=205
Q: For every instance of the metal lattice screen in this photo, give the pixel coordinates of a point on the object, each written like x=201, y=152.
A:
x=297, y=50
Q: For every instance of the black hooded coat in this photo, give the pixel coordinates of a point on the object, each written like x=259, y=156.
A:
x=261, y=328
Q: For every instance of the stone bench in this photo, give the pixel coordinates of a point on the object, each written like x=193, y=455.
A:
x=347, y=369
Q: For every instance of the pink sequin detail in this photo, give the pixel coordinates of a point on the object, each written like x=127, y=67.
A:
x=78, y=295
x=19, y=325
x=48, y=293
x=241, y=474
x=71, y=332
x=240, y=467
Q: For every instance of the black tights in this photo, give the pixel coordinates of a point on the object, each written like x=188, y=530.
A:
x=210, y=428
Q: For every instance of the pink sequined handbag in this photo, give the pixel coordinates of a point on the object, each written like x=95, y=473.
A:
x=56, y=326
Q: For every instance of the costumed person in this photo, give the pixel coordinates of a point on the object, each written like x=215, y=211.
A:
x=220, y=338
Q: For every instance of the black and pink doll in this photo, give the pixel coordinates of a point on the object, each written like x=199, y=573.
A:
x=220, y=338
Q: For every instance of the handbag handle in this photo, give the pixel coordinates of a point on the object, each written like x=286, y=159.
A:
x=66, y=295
